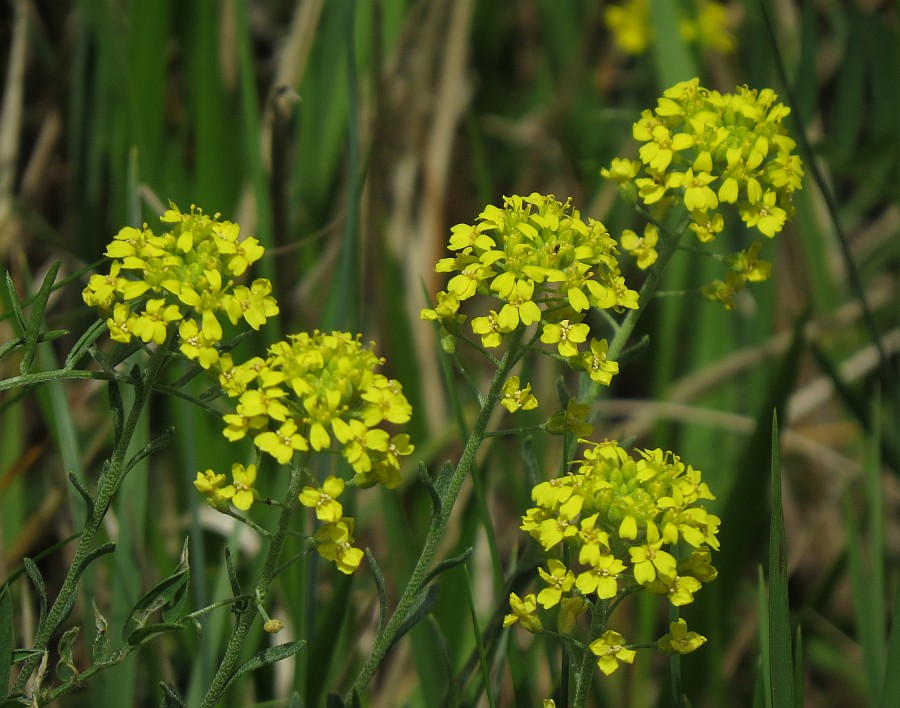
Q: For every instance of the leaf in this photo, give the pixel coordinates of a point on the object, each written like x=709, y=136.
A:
x=780, y=655
x=232, y=574
x=38, y=581
x=6, y=638
x=563, y=392
x=428, y=483
x=36, y=317
x=10, y=346
x=422, y=606
x=170, y=698
x=532, y=466
x=447, y=565
x=19, y=655
x=153, y=446
x=379, y=587
x=266, y=657
x=116, y=409
x=15, y=304
x=84, y=342
x=65, y=667
x=890, y=690
x=143, y=634
x=169, y=591
x=334, y=701
x=69, y=602
x=85, y=494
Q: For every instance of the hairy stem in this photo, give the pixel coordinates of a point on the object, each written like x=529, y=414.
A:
x=107, y=485
x=270, y=570
x=449, y=495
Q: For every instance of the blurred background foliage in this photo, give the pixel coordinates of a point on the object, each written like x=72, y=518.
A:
x=348, y=136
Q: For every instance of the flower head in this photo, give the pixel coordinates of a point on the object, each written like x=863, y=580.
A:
x=185, y=275
x=315, y=391
x=541, y=264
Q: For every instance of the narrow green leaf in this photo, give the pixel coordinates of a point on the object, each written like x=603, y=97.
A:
x=378, y=576
x=15, y=305
x=69, y=601
x=765, y=673
x=9, y=347
x=167, y=593
x=443, y=477
x=170, y=698
x=232, y=574
x=482, y=657
x=424, y=602
x=447, y=565
x=427, y=482
x=266, y=657
x=20, y=655
x=38, y=581
x=153, y=446
x=85, y=494
x=116, y=409
x=84, y=342
x=780, y=655
x=151, y=631
x=532, y=466
x=563, y=392
x=6, y=638
x=798, y=668
x=36, y=318
x=890, y=689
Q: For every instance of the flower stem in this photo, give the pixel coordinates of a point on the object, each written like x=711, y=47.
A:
x=107, y=485
x=450, y=492
x=587, y=668
x=241, y=630
x=590, y=389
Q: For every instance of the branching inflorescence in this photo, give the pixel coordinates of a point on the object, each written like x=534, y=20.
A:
x=312, y=392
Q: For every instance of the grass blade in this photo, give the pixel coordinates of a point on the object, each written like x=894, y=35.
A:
x=781, y=665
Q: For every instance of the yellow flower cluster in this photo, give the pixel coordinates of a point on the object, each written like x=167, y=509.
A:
x=703, y=149
x=547, y=267
x=185, y=275
x=315, y=389
x=632, y=30
x=622, y=518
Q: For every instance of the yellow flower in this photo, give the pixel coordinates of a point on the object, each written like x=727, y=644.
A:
x=642, y=249
x=240, y=491
x=324, y=499
x=335, y=543
x=282, y=444
x=523, y=612
x=566, y=336
x=679, y=640
x=610, y=649
x=514, y=398
x=559, y=580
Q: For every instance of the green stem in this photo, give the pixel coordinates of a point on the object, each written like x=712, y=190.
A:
x=270, y=570
x=587, y=668
x=590, y=389
x=107, y=485
x=449, y=495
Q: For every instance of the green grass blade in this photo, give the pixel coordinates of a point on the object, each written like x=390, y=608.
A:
x=781, y=664
x=890, y=690
x=765, y=647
